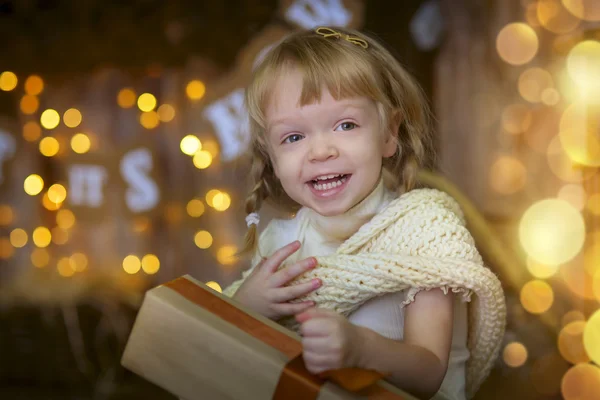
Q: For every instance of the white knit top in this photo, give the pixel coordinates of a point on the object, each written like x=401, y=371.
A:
x=322, y=236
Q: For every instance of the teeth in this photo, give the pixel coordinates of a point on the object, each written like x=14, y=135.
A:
x=330, y=185
x=325, y=177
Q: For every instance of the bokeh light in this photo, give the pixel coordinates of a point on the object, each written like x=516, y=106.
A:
x=146, y=102
x=517, y=43
x=203, y=239
x=65, y=267
x=40, y=257
x=49, y=204
x=195, y=90
x=18, y=237
x=583, y=64
x=226, y=255
x=581, y=382
x=34, y=85
x=50, y=119
x=7, y=215
x=537, y=296
x=572, y=316
x=214, y=286
x=79, y=261
x=6, y=249
x=41, y=236
x=574, y=194
x=59, y=236
x=195, y=208
x=80, y=143
x=202, y=159
x=593, y=204
x=65, y=219
x=149, y=120
x=126, y=98
x=552, y=231
x=516, y=118
x=8, y=81
x=150, y=264
x=555, y=18
x=210, y=195
x=570, y=343
x=49, y=146
x=212, y=147
x=33, y=184
x=57, y=193
x=166, y=113
x=533, y=82
x=507, y=175
x=221, y=201
x=132, y=264
x=72, y=118
x=190, y=144
x=591, y=337
x=514, y=354
x=564, y=167
x=32, y=131
x=29, y=104
x=539, y=270
x=580, y=133
x=588, y=10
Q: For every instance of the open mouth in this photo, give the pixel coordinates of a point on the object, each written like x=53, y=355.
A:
x=328, y=182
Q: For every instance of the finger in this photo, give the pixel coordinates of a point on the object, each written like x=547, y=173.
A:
x=314, y=313
x=317, y=327
x=315, y=363
x=317, y=344
x=272, y=263
x=281, y=277
x=288, y=293
x=286, y=309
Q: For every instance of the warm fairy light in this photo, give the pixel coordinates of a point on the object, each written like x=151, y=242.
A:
x=214, y=286
x=555, y=17
x=49, y=204
x=50, y=119
x=8, y=81
x=150, y=264
x=212, y=147
x=41, y=236
x=591, y=337
x=141, y=224
x=563, y=166
x=149, y=120
x=49, y=146
x=34, y=85
x=516, y=118
x=18, y=237
x=221, y=201
x=203, y=239
x=583, y=64
x=6, y=249
x=33, y=184
x=126, y=98
x=65, y=219
x=552, y=231
x=574, y=194
x=588, y=10
x=173, y=212
x=593, y=204
x=514, y=354
x=572, y=316
x=539, y=270
x=190, y=144
x=65, y=267
x=7, y=215
x=166, y=112
x=210, y=195
x=132, y=264
x=202, y=159
x=579, y=281
x=550, y=97
x=195, y=90
x=570, y=343
x=146, y=102
x=79, y=261
x=226, y=255
x=29, y=104
x=537, y=296
x=40, y=258
x=57, y=193
x=195, y=208
x=32, y=131
x=517, y=43
x=533, y=82
x=581, y=382
x=80, y=143
x=580, y=133
x=72, y=118
x=507, y=175
x=59, y=236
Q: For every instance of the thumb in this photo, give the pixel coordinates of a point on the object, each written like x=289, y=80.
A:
x=313, y=312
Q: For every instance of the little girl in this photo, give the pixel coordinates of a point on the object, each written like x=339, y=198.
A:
x=339, y=130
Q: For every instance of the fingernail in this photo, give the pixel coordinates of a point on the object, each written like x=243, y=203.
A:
x=316, y=282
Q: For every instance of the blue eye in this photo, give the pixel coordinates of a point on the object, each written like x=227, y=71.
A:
x=346, y=126
x=292, y=138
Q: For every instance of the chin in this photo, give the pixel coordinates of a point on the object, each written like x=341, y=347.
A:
x=330, y=210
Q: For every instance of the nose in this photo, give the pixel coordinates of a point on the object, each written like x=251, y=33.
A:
x=322, y=148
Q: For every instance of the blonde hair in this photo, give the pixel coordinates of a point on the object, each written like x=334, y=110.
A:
x=346, y=69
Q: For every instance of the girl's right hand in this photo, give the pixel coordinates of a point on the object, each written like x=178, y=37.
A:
x=264, y=292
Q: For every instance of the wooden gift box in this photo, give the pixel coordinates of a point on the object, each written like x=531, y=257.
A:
x=199, y=344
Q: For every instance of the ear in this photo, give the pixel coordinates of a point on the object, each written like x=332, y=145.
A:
x=391, y=143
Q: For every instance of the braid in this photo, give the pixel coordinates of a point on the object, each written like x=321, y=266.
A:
x=254, y=200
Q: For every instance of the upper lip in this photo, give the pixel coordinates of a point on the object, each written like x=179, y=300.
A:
x=325, y=175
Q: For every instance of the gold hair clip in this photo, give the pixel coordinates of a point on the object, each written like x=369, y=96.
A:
x=328, y=32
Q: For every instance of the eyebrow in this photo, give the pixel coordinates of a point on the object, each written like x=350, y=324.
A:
x=342, y=109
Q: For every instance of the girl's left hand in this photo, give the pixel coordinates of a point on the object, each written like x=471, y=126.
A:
x=329, y=340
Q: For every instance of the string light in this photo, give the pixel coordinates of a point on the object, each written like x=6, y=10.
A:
x=33, y=184
x=132, y=264
x=80, y=143
x=203, y=239
x=72, y=118
x=50, y=119
x=32, y=131
x=8, y=81
x=195, y=90
x=150, y=264
x=126, y=98
x=49, y=146
x=146, y=102
x=190, y=144
x=34, y=85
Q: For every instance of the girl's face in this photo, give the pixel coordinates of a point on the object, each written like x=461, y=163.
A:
x=327, y=155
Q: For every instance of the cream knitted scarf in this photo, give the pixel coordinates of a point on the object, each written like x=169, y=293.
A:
x=418, y=242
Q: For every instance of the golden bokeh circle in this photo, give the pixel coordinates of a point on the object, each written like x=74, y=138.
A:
x=570, y=343
x=581, y=382
x=537, y=296
x=591, y=337
x=514, y=354
x=517, y=43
